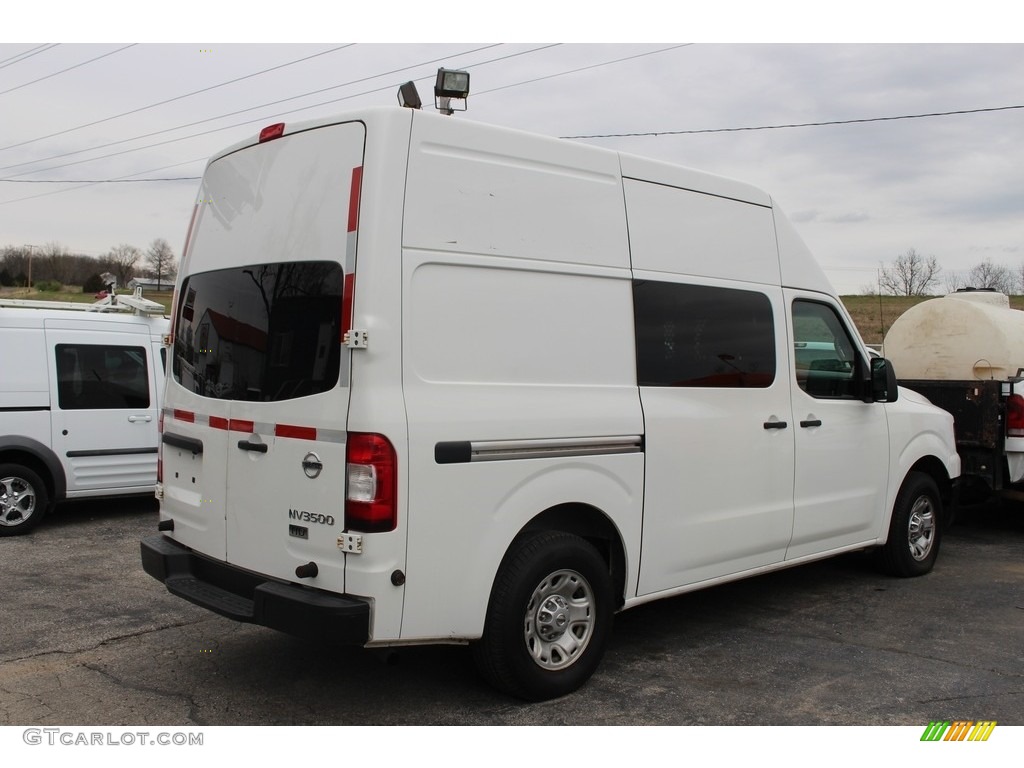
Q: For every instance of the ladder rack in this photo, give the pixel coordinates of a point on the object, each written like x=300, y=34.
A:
x=133, y=303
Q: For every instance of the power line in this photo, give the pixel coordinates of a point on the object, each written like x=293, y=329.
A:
x=590, y=136
x=20, y=57
x=90, y=182
x=218, y=117
x=583, y=69
x=526, y=82
x=68, y=69
x=85, y=184
x=796, y=125
x=160, y=104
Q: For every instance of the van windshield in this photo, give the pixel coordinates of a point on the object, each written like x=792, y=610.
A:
x=261, y=332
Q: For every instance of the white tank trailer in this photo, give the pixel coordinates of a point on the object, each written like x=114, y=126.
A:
x=965, y=336
x=965, y=353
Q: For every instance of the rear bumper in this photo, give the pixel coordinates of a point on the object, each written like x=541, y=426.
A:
x=248, y=597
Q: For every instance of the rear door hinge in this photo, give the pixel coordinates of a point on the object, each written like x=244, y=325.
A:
x=355, y=339
x=352, y=543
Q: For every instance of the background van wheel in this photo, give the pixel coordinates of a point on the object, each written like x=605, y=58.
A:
x=23, y=499
x=915, y=530
x=548, y=619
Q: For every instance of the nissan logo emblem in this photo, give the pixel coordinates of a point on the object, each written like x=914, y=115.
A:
x=312, y=465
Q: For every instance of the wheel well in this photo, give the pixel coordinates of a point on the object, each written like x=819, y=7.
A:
x=593, y=525
x=33, y=462
x=935, y=469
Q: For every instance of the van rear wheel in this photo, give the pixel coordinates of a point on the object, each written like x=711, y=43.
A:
x=548, y=619
x=915, y=529
x=23, y=499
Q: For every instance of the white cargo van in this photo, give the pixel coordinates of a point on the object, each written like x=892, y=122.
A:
x=80, y=399
x=435, y=381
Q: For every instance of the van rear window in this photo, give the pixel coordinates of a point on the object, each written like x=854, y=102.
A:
x=261, y=332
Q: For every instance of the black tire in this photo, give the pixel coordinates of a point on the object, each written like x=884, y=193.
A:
x=915, y=530
x=548, y=619
x=24, y=500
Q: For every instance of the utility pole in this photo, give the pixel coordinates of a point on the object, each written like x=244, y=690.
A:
x=30, y=253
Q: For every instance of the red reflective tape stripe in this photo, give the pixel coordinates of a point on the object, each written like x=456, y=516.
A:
x=184, y=416
x=353, y=198
x=219, y=422
x=238, y=425
x=346, y=305
x=300, y=433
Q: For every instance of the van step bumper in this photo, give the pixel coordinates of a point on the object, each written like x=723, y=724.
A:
x=253, y=599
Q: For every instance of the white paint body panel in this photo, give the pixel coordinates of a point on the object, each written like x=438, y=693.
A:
x=494, y=277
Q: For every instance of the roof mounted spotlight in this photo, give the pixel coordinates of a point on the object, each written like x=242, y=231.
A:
x=409, y=97
x=451, y=84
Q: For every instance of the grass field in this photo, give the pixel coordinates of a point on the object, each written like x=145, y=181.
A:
x=873, y=315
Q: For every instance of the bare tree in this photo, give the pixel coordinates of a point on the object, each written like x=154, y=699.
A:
x=56, y=263
x=994, y=276
x=121, y=261
x=160, y=260
x=955, y=281
x=911, y=274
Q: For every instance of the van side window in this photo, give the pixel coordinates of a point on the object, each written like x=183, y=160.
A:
x=702, y=336
x=824, y=354
x=96, y=376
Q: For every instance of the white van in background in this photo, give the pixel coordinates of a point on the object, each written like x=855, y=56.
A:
x=80, y=398
x=434, y=381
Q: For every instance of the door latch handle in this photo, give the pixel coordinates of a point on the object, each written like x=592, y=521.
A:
x=775, y=425
x=245, y=445
x=134, y=419
x=811, y=423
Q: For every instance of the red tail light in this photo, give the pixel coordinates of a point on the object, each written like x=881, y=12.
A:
x=1015, y=416
x=371, y=502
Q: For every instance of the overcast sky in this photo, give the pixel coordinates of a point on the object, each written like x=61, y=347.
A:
x=860, y=193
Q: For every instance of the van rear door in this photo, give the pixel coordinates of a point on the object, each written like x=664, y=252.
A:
x=257, y=401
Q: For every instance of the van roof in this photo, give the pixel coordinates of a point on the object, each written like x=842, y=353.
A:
x=632, y=165
x=798, y=267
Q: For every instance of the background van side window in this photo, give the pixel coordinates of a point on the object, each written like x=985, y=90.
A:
x=702, y=336
x=96, y=376
x=824, y=354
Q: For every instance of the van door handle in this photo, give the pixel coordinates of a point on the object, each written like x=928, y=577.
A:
x=245, y=445
x=775, y=425
x=134, y=419
x=811, y=423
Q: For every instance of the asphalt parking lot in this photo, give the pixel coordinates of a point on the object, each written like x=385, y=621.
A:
x=87, y=638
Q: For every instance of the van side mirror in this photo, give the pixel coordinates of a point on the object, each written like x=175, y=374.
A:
x=883, y=381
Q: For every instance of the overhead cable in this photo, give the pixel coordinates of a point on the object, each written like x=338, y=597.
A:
x=68, y=69
x=167, y=101
x=18, y=58
x=211, y=119
x=794, y=125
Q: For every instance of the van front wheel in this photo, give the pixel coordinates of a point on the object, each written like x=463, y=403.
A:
x=548, y=619
x=23, y=499
x=915, y=529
